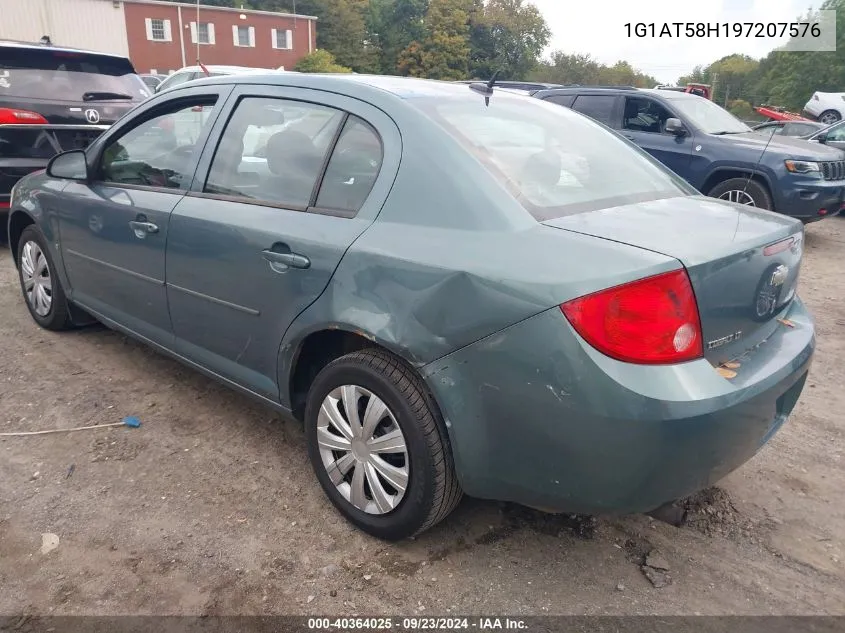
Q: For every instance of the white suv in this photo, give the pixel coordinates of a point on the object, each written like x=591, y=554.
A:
x=827, y=107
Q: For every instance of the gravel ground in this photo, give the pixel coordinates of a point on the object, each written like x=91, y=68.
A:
x=211, y=506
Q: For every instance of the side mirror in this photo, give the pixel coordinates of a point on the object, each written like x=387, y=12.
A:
x=68, y=166
x=675, y=127
x=821, y=138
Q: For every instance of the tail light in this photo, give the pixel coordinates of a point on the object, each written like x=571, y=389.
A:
x=649, y=321
x=14, y=116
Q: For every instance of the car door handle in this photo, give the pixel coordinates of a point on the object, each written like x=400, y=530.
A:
x=142, y=229
x=293, y=260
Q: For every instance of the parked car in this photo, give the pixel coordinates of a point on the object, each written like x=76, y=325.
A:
x=454, y=291
x=834, y=136
x=189, y=73
x=715, y=152
x=54, y=99
x=827, y=107
x=152, y=81
x=797, y=129
x=831, y=135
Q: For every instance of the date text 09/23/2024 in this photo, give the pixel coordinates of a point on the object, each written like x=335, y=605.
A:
x=722, y=29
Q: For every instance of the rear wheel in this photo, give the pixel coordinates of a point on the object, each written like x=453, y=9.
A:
x=743, y=191
x=378, y=445
x=41, y=288
x=829, y=117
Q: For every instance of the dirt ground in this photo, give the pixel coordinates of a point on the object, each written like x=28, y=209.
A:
x=211, y=506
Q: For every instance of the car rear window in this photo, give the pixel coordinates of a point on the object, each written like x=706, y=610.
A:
x=554, y=161
x=35, y=73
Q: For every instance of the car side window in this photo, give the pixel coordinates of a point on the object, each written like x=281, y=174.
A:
x=352, y=169
x=159, y=151
x=598, y=107
x=273, y=150
x=836, y=133
x=644, y=115
x=768, y=130
x=564, y=100
x=175, y=79
x=796, y=129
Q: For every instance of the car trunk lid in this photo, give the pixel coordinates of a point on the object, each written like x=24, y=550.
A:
x=53, y=100
x=743, y=263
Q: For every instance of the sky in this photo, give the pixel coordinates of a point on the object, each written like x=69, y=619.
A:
x=599, y=30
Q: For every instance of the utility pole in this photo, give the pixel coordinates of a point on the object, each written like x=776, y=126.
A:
x=197, y=31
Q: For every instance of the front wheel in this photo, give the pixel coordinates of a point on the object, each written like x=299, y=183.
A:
x=743, y=191
x=40, y=285
x=378, y=445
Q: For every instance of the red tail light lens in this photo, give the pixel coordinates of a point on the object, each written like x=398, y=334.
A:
x=13, y=116
x=649, y=321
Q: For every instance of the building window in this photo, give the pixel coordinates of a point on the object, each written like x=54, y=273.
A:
x=243, y=35
x=202, y=33
x=282, y=39
x=158, y=30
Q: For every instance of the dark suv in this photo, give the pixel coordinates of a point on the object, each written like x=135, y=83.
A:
x=716, y=152
x=55, y=99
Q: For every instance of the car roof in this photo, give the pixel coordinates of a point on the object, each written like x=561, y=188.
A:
x=673, y=95
x=403, y=87
x=225, y=69
x=51, y=47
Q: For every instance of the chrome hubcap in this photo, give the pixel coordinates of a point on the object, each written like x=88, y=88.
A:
x=829, y=118
x=37, y=283
x=363, y=449
x=737, y=195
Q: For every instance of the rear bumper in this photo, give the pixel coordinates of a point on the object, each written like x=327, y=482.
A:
x=805, y=199
x=813, y=108
x=536, y=416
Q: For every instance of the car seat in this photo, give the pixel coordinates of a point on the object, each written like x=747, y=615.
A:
x=295, y=164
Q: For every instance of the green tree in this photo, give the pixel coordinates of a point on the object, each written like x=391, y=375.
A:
x=562, y=68
x=507, y=36
x=444, y=51
x=320, y=61
x=393, y=25
x=341, y=30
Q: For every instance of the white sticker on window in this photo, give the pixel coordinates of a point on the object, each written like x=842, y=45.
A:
x=4, y=79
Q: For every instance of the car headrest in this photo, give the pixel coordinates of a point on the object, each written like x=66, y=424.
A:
x=289, y=152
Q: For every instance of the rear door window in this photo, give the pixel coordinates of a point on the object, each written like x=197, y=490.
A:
x=56, y=75
x=598, y=107
x=352, y=169
x=273, y=150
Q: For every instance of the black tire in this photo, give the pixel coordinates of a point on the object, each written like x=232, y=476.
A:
x=753, y=188
x=829, y=117
x=433, y=490
x=58, y=316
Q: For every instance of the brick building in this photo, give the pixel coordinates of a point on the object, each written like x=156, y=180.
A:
x=164, y=36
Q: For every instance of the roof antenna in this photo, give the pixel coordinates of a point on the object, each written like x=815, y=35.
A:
x=486, y=88
x=493, y=79
x=197, y=33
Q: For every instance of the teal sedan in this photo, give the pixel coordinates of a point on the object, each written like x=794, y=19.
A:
x=456, y=289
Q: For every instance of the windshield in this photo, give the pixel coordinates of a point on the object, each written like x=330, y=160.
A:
x=33, y=73
x=709, y=117
x=554, y=161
